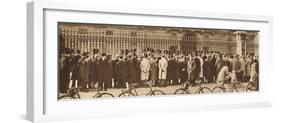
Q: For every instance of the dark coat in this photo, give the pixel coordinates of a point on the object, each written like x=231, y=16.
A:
x=84, y=71
x=138, y=69
x=104, y=73
x=122, y=71
x=219, y=64
x=114, y=69
x=132, y=70
x=75, y=67
x=213, y=60
x=178, y=70
x=197, y=68
x=93, y=76
x=183, y=71
x=154, y=70
x=208, y=71
x=171, y=70
x=65, y=74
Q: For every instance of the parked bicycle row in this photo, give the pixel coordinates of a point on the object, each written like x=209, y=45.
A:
x=198, y=88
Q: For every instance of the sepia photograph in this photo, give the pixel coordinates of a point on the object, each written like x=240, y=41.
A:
x=112, y=61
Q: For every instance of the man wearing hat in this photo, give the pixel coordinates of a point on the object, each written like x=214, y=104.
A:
x=163, y=64
x=103, y=70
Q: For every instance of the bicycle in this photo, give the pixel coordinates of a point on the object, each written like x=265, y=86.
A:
x=72, y=93
x=252, y=85
x=222, y=87
x=103, y=94
x=200, y=90
x=131, y=91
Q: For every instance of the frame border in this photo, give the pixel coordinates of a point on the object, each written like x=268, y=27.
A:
x=35, y=41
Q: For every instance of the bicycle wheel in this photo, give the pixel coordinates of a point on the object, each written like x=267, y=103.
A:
x=65, y=97
x=251, y=87
x=105, y=95
x=126, y=94
x=218, y=89
x=233, y=89
x=182, y=91
x=157, y=92
x=205, y=90
x=78, y=96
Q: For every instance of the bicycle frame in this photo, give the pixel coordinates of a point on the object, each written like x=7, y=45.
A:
x=96, y=95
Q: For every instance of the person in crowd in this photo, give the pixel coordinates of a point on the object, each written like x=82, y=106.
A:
x=218, y=64
x=248, y=64
x=191, y=65
x=132, y=68
x=110, y=74
x=207, y=70
x=138, y=69
x=84, y=71
x=182, y=69
x=75, y=70
x=154, y=70
x=214, y=70
x=122, y=71
x=114, y=71
x=171, y=70
x=93, y=76
x=223, y=74
x=197, y=67
x=145, y=67
x=242, y=68
x=177, y=69
x=236, y=66
x=65, y=70
x=228, y=61
x=254, y=71
x=233, y=77
x=103, y=69
x=162, y=65
x=201, y=71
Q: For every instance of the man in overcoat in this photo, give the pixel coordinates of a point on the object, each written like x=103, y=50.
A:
x=162, y=65
x=122, y=71
x=103, y=70
x=93, y=76
x=132, y=69
x=145, y=67
x=84, y=72
x=65, y=69
x=75, y=70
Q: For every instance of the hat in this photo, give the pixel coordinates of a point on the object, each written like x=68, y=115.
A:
x=103, y=54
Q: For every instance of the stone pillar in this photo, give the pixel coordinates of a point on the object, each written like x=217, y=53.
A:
x=239, y=41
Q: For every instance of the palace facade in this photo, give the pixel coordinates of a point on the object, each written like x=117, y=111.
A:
x=115, y=39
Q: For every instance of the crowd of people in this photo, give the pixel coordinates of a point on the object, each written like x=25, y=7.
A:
x=90, y=70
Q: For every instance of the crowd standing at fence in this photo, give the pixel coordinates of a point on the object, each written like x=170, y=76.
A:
x=90, y=70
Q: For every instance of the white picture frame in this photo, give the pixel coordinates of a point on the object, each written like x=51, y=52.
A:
x=41, y=13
